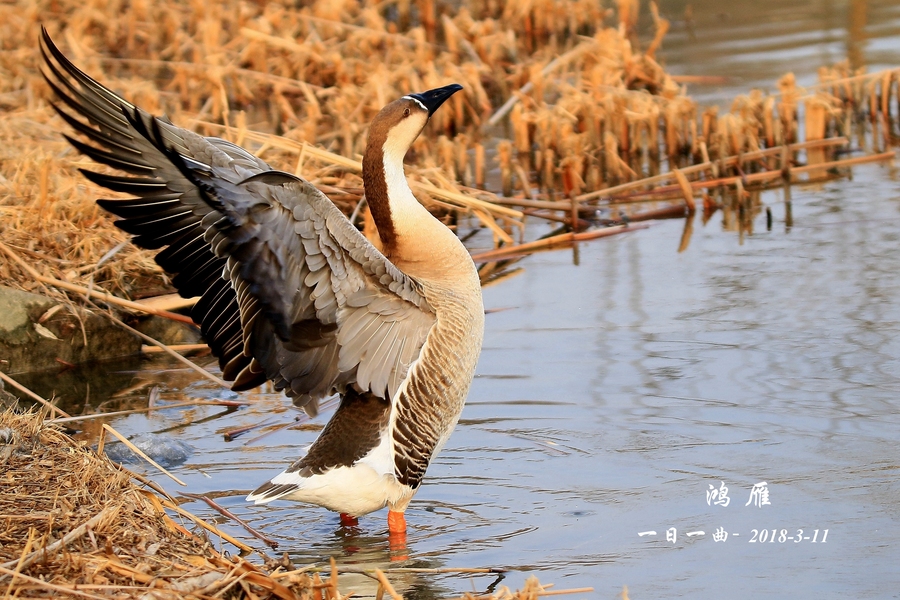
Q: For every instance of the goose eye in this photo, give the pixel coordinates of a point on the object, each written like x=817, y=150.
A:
x=406, y=112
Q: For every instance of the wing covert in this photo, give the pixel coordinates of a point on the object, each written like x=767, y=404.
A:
x=337, y=312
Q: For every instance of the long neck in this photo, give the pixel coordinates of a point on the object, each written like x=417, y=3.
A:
x=388, y=195
x=411, y=237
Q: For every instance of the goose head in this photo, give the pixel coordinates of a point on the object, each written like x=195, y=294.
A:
x=391, y=134
x=399, y=123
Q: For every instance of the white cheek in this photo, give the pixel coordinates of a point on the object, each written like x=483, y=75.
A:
x=402, y=136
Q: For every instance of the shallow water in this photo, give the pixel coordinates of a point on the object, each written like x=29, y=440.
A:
x=752, y=44
x=611, y=395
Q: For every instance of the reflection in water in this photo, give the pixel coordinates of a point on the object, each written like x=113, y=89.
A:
x=856, y=33
x=752, y=44
x=90, y=386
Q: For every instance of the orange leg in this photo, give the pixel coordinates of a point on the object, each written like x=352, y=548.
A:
x=397, y=536
x=349, y=520
x=396, y=522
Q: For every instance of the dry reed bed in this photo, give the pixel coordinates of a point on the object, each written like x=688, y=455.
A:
x=585, y=107
x=75, y=525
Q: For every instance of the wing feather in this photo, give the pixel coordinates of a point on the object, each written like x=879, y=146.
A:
x=290, y=290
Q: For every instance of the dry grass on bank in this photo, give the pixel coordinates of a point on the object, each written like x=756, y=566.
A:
x=73, y=524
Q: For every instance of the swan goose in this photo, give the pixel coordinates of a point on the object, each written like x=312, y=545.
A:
x=293, y=293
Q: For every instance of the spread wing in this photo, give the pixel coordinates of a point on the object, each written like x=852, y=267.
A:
x=290, y=290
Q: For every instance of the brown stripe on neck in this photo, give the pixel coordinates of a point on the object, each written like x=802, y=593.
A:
x=375, y=184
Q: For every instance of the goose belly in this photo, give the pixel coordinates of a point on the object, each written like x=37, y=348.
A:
x=367, y=485
x=355, y=490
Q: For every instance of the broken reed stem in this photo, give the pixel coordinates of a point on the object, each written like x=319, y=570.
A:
x=846, y=162
x=119, y=413
x=583, y=590
x=223, y=579
x=556, y=240
x=148, y=482
x=231, y=434
x=307, y=569
x=168, y=302
x=542, y=591
x=371, y=572
x=67, y=539
x=762, y=176
x=7, y=379
x=525, y=203
x=384, y=583
x=224, y=511
x=466, y=201
x=141, y=453
x=101, y=442
x=462, y=571
x=212, y=529
x=727, y=161
x=579, y=224
x=333, y=581
x=175, y=348
x=685, y=186
x=273, y=429
x=672, y=211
